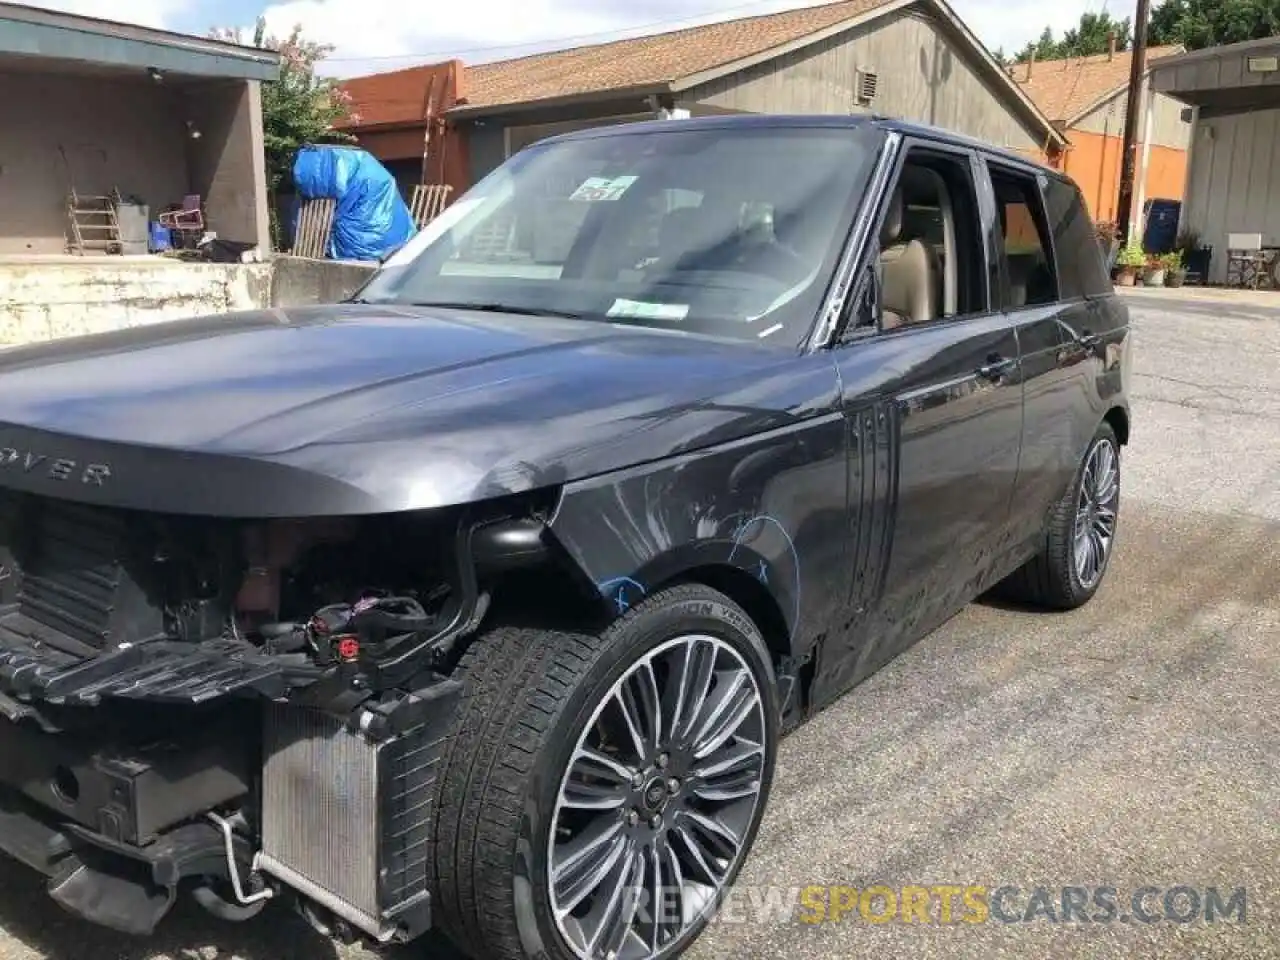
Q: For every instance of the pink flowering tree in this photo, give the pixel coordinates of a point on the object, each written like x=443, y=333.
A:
x=299, y=107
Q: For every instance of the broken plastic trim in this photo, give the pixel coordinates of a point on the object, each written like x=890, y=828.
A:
x=489, y=545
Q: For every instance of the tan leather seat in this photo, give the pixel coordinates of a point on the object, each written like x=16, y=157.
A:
x=910, y=273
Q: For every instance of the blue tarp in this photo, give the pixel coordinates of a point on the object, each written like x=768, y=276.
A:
x=370, y=219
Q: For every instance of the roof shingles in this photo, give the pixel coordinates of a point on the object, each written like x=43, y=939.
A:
x=397, y=97
x=1065, y=89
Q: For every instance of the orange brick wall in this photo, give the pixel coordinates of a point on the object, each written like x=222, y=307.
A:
x=1093, y=161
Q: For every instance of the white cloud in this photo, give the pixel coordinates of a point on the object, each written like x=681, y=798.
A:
x=146, y=13
x=376, y=35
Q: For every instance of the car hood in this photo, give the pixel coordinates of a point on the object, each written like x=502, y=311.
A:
x=360, y=408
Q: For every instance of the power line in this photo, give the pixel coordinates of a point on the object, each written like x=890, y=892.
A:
x=620, y=34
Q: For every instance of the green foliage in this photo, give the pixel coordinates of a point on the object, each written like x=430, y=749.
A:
x=298, y=108
x=1208, y=23
x=1131, y=255
x=1091, y=36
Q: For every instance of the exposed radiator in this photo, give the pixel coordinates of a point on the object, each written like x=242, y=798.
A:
x=345, y=819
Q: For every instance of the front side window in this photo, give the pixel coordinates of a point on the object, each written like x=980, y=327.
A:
x=931, y=258
x=729, y=231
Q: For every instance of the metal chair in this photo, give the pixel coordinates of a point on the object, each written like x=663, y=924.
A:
x=1245, y=260
x=187, y=221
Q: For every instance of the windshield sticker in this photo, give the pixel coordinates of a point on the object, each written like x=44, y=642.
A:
x=638, y=310
x=597, y=189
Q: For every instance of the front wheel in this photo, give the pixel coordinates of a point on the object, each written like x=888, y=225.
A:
x=1081, y=533
x=602, y=792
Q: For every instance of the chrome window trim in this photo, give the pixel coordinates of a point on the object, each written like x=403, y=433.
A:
x=846, y=273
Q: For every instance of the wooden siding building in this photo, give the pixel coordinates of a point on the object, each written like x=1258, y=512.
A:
x=1234, y=180
x=910, y=59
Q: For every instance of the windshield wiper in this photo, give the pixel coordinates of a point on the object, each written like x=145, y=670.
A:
x=499, y=308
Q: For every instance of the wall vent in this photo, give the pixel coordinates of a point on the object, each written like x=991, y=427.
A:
x=868, y=86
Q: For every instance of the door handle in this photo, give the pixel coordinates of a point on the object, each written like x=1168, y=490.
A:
x=995, y=367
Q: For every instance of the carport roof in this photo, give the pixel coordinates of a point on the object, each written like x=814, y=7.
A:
x=35, y=33
x=1231, y=78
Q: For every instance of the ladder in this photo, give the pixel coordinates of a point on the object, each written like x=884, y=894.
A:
x=93, y=222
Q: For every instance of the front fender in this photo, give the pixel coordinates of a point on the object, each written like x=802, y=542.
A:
x=772, y=506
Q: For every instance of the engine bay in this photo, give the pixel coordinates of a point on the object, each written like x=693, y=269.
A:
x=86, y=580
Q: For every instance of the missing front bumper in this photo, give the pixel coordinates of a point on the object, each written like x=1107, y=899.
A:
x=113, y=885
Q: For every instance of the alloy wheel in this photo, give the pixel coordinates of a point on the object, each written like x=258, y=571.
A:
x=1096, y=507
x=655, y=807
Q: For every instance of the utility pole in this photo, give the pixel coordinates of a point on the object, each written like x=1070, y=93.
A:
x=1128, y=161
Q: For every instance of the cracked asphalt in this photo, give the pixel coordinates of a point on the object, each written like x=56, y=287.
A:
x=1133, y=743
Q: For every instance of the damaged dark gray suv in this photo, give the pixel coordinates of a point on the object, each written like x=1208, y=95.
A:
x=481, y=601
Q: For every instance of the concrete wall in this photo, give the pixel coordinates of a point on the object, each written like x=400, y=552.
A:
x=298, y=281
x=92, y=132
x=227, y=161
x=44, y=300
x=50, y=298
x=923, y=77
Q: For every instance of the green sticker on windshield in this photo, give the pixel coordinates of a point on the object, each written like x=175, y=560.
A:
x=597, y=189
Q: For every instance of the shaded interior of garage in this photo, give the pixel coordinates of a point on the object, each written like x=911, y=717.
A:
x=93, y=107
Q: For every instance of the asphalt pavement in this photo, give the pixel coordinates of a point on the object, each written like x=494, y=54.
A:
x=1129, y=745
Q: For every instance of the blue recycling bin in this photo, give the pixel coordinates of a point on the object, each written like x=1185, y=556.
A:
x=159, y=237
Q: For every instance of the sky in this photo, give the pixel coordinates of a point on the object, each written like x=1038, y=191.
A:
x=376, y=35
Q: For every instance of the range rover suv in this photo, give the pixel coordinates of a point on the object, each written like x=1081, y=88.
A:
x=481, y=601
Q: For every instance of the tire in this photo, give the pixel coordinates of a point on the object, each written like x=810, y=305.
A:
x=529, y=696
x=1054, y=578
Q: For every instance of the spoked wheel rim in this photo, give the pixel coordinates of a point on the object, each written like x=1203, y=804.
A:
x=1096, y=507
x=655, y=807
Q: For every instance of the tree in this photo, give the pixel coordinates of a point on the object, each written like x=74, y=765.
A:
x=299, y=107
x=1207, y=23
x=1091, y=36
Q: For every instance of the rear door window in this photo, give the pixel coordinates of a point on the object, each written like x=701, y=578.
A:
x=1080, y=264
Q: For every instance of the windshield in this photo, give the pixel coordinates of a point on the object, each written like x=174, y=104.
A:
x=729, y=231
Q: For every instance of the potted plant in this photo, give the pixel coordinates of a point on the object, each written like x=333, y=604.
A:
x=1196, y=256
x=1153, y=271
x=1129, y=261
x=1107, y=233
x=1175, y=274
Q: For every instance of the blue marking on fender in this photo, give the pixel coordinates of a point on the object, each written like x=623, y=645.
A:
x=765, y=520
x=618, y=588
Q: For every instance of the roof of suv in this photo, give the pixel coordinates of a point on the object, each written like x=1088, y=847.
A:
x=828, y=121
